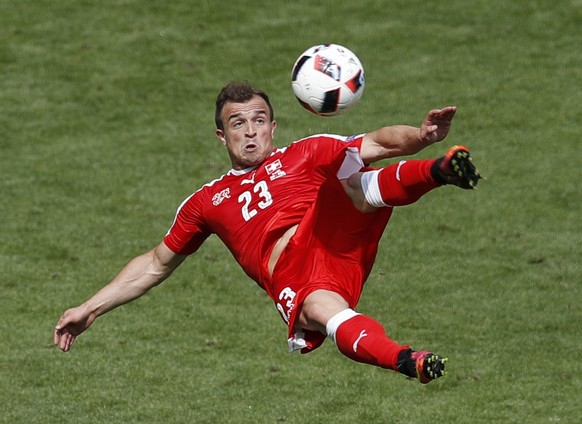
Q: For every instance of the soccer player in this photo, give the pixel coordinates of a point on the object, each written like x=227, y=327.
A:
x=303, y=221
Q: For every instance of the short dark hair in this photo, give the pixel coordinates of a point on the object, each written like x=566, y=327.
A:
x=238, y=92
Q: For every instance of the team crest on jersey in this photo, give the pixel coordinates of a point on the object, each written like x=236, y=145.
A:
x=274, y=170
x=219, y=197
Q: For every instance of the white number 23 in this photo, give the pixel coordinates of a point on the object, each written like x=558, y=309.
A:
x=262, y=190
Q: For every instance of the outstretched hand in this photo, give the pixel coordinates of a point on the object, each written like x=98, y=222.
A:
x=437, y=123
x=72, y=323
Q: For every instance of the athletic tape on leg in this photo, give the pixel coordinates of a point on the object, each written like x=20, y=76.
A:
x=337, y=320
x=371, y=188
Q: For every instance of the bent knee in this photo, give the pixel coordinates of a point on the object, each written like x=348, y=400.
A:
x=319, y=307
x=353, y=187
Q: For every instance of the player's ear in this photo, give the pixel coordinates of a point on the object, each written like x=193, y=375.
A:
x=273, y=128
x=220, y=135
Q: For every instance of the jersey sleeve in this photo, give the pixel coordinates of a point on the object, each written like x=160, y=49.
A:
x=188, y=230
x=325, y=148
x=340, y=153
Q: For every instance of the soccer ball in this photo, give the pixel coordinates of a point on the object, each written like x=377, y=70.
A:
x=327, y=79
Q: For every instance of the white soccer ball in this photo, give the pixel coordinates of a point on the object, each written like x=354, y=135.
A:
x=328, y=79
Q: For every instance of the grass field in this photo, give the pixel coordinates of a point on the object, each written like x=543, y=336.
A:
x=106, y=125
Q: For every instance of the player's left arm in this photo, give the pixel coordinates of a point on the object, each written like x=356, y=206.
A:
x=404, y=140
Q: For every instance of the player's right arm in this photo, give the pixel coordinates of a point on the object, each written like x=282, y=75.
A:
x=139, y=276
x=404, y=140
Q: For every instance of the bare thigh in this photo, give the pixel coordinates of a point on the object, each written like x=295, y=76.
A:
x=317, y=309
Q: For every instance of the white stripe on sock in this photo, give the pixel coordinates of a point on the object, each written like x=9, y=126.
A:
x=337, y=320
x=371, y=188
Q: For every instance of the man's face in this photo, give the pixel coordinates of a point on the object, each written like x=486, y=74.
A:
x=248, y=132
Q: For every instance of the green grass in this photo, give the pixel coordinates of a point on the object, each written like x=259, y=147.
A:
x=106, y=124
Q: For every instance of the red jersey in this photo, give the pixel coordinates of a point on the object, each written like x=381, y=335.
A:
x=249, y=210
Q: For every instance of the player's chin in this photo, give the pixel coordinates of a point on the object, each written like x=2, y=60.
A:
x=253, y=158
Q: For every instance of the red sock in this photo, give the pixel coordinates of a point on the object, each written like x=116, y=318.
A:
x=405, y=182
x=363, y=339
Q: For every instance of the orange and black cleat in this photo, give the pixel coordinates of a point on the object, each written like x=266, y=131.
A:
x=423, y=365
x=428, y=366
x=456, y=168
